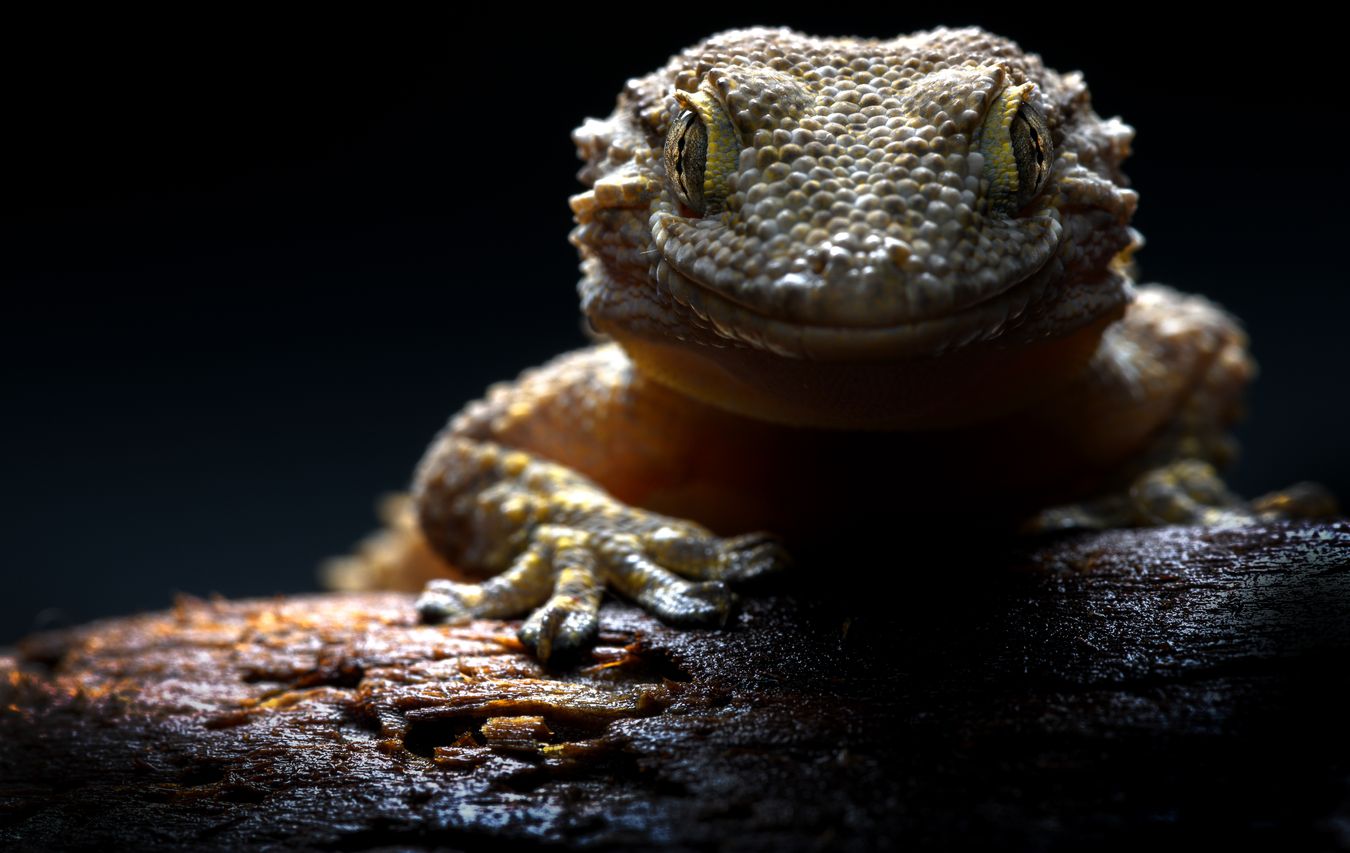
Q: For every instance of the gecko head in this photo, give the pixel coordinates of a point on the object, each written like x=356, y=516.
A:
x=781, y=199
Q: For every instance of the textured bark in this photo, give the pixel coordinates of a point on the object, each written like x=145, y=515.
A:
x=1109, y=690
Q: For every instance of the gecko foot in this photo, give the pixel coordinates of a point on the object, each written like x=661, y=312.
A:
x=1301, y=500
x=1188, y=491
x=675, y=570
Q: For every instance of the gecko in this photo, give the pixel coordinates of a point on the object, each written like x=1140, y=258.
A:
x=839, y=287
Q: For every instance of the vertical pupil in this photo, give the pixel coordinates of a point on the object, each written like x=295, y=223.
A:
x=686, y=152
x=685, y=148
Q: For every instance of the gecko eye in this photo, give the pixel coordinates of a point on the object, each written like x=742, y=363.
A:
x=1033, y=152
x=702, y=153
x=1018, y=153
x=687, y=159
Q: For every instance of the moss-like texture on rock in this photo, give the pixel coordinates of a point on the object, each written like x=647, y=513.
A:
x=1106, y=689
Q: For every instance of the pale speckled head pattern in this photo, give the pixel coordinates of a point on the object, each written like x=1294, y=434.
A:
x=869, y=213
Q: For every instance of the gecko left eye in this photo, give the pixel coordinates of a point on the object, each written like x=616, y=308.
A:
x=702, y=153
x=1018, y=153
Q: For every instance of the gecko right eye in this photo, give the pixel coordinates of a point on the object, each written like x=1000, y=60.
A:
x=703, y=152
x=686, y=159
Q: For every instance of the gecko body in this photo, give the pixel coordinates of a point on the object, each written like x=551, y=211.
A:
x=842, y=284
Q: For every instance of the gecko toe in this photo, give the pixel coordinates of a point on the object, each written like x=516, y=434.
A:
x=568, y=622
x=442, y=601
x=752, y=556
x=558, y=631
x=665, y=594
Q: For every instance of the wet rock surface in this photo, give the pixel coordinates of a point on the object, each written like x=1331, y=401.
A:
x=1092, y=689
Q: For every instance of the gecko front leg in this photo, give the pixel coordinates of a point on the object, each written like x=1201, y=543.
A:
x=552, y=539
x=1166, y=385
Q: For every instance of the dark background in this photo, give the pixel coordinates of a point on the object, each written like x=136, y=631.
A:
x=252, y=265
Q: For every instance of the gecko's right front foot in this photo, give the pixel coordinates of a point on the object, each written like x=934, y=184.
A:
x=558, y=540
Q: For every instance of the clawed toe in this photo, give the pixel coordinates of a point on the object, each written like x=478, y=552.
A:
x=693, y=605
x=441, y=601
x=569, y=621
x=522, y=586
x=557, y=632
x=754, y=555
x=670, y=598
x=695, y=553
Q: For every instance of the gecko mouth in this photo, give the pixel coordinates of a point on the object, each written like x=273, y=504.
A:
x=837, y=313
x=888, y=301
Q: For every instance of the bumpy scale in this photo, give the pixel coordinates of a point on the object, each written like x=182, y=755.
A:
x=845, y=282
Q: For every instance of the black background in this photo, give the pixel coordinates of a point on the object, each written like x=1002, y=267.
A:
x=251, y=265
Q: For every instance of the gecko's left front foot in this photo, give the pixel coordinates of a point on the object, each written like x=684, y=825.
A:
x=1301, y=500
x=1187, y=491
x=562, y=540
